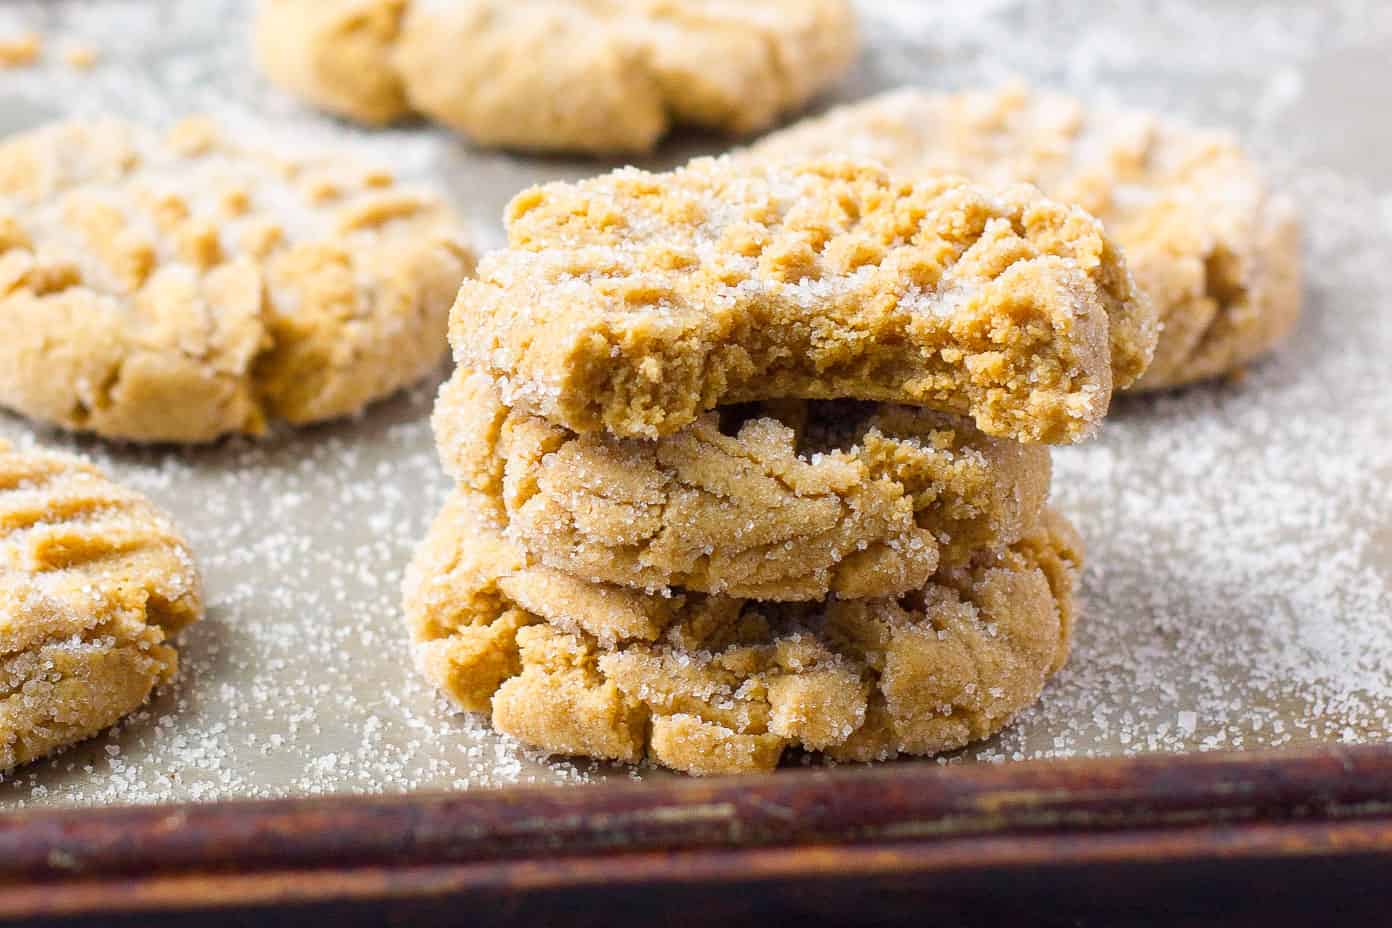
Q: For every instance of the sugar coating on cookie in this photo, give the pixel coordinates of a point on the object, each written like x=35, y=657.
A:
x=180, y=286
x=715, y=684
x=787, y=501
x=634, y=302
x=595, y=76
x=93, y=582
x=1213, y=246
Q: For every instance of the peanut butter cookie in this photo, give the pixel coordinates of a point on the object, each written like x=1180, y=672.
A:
x=782, y=502
x=93, y=582
x=716, y=684
x=596, y=76
x=337, y=54
x=179, y=287
x=1216, y=250
x=634, y=302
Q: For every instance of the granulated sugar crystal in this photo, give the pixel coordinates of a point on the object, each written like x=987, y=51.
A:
x=1239, y=588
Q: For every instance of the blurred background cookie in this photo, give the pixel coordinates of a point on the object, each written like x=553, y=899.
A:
x=336, y=54
x=596, y=76
x=180, y=286
x=633, y=302
x=716, y=684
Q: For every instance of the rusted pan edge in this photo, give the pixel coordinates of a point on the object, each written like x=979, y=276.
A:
x=907, y=804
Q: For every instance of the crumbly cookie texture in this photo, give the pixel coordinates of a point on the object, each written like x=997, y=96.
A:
x=783, y=502
x=177, y=287
x=715, y=684
x=93, y=581
x=594, y=76
x=1218, y=253
x=634, y=302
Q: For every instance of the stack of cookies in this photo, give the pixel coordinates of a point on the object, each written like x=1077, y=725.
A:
x=753, y=456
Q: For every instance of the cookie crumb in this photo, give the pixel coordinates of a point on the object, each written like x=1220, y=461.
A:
x=21, y=52
x=81, y=57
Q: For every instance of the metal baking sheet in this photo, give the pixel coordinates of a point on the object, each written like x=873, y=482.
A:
x=1239, y=588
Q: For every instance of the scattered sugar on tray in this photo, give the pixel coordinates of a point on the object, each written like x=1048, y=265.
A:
x=1243, y=590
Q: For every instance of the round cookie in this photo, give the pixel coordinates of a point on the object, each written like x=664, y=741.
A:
x=634, y=302
x=93, y=582
x=792, y=501
x=177, y=287
x=614, y=76
x=594, y=76
x=337, y=54
x=714, y=684
x=1217, y=251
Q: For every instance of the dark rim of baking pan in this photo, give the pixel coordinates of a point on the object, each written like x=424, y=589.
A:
x=903, y=822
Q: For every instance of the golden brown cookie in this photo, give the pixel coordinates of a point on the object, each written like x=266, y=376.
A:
x=596, y=76
x=337, y=54
x=182, y=286
x=634, y=302
x=1216, y=250
x=93, y=581
x=716, y=684
x=614, y=76
x=783, y=502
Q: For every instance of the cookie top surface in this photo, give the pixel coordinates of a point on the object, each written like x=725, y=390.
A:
x=596, y=76
x=93, y=580
x=634, y=302
x=788, y=501
x=1204, y=235
x=713, y=684
x=179, y=286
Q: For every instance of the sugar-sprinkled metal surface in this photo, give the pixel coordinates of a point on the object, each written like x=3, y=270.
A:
x=1239, y=589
